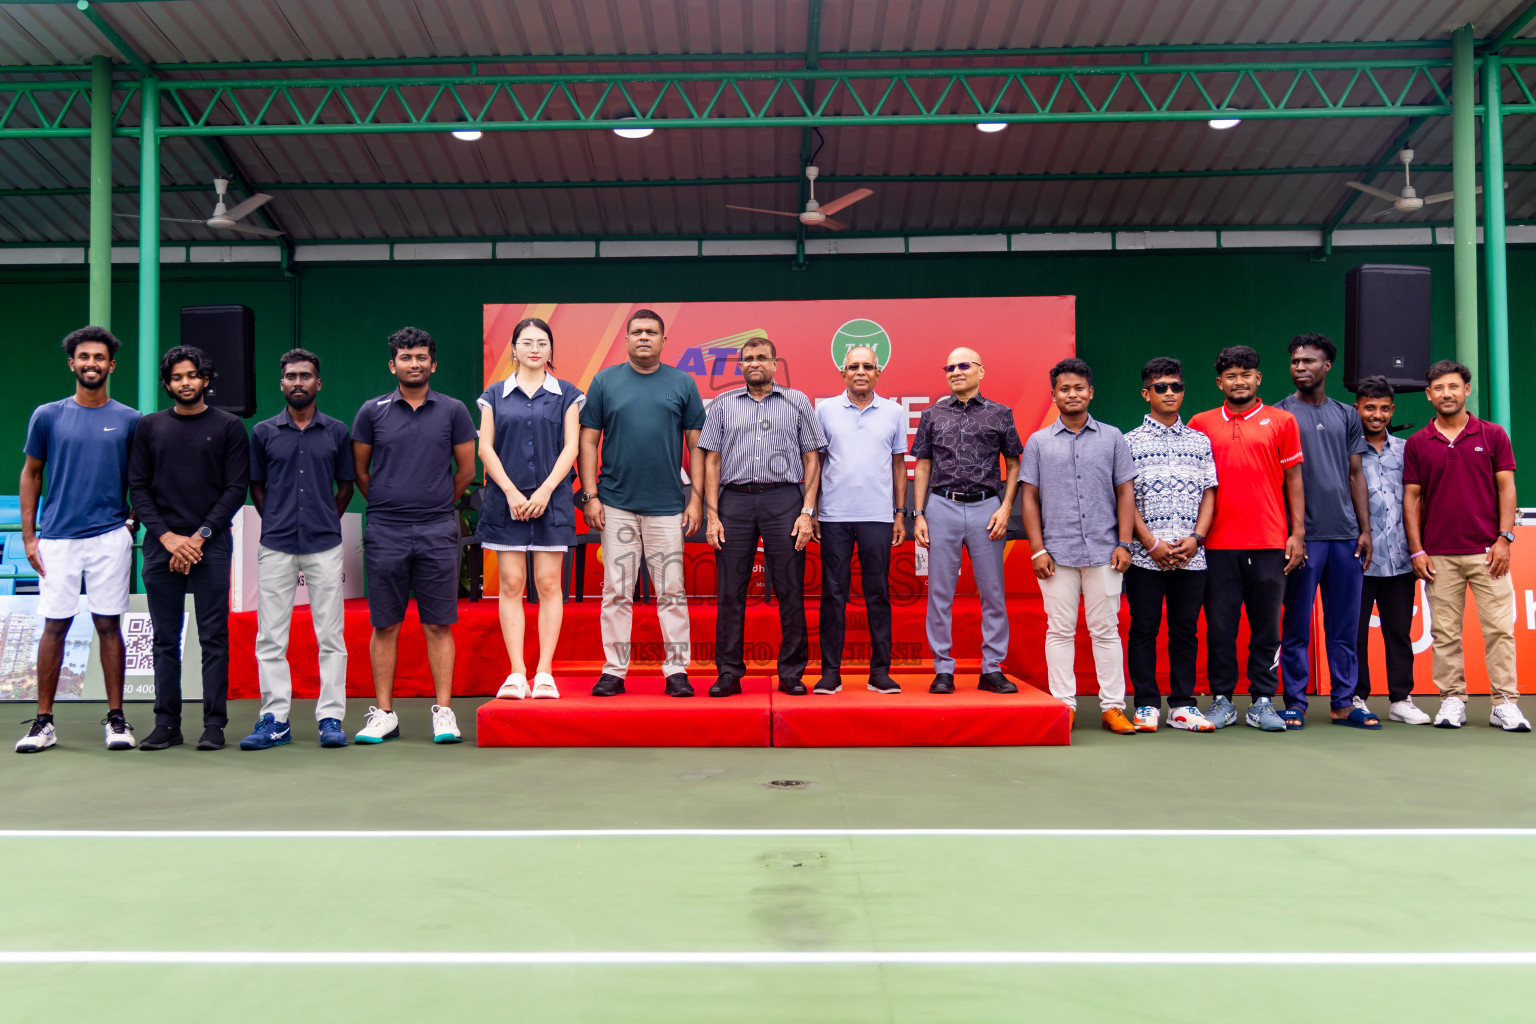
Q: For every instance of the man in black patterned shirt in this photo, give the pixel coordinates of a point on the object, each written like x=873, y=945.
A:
x=1175, y=500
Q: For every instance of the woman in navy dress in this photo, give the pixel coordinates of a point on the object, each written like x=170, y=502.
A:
x=528, y=440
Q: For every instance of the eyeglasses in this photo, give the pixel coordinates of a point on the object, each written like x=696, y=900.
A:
x=962, y=367
x=531, y=345
x=866, y=367
x=1162, y=388
x=759, y=359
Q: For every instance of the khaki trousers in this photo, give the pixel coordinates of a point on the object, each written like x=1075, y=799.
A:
x=1454, y=574
x=628, y=538
x=277, y=578
x=1097, y=587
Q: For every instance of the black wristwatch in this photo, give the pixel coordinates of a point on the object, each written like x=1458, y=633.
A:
x=900, y=511
x=205, y=532
x=1507, y=535
x=582, y=497
x=1199, y=540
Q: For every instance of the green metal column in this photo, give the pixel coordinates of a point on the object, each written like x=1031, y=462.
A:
x=101, y=192
x=149, y=247
x=1464, y=181
x=1494, y=273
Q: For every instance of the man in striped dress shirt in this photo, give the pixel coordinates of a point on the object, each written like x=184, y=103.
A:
x=761, y=470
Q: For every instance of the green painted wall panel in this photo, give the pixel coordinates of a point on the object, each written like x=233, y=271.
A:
x=1131, y=306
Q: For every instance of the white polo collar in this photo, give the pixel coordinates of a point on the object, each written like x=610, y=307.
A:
x=550, y=384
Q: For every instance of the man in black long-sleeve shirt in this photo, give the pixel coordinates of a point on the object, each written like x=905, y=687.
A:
x=187, y=474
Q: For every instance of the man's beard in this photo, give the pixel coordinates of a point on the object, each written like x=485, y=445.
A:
x=188, y=402
x=90, y=385
x=303, y=401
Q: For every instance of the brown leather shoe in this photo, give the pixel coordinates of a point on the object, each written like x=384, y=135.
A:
x=1114, y=720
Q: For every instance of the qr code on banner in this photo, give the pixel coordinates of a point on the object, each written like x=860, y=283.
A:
x=139, y=639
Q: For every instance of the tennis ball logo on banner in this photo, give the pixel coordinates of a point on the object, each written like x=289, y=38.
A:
x=857, y=333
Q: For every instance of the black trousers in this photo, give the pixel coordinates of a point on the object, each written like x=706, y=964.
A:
x=748, y=518
x=1252, y=579
x=838, y=542
x=1393, y=595
x=166, y=593
x=1145, y=592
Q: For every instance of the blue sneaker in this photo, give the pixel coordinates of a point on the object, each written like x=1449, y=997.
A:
x=331, y=733
x=269, y=732
x=1221, y=713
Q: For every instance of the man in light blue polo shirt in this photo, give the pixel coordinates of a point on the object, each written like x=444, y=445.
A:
x=863, y=485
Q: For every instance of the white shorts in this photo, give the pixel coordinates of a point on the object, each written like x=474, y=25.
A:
x=104, y=562
x=558, y=548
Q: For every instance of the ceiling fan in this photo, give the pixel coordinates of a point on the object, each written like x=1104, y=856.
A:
x=815, y=214
x=225, y=218
x=1406, y=201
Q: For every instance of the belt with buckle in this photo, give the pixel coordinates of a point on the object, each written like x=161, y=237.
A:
x=756, y=488
x=968, y=497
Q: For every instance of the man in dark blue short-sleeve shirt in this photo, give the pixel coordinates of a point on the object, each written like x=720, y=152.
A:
x=415, y=454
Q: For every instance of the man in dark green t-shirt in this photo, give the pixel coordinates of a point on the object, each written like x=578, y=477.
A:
x=642, y=412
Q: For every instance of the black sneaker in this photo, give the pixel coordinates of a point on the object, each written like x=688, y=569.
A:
x=678, y=685
x=943, y=682
x=608, y=686
x=828, y=684
x=793, y=687
x=884, y=684
x=212, y=738
x=162, y=736
x=725, y=686
x=996, y=682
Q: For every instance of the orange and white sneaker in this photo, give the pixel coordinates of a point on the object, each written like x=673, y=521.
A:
x=1146, y=719
x=1114, y=720
x=1190, y=719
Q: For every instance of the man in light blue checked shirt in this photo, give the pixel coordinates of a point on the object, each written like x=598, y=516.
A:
x=1389, y=585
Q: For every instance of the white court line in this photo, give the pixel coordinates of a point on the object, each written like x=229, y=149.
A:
x=686, y=959
x=778, y=833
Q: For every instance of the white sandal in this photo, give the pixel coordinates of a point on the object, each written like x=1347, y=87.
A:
x=515, y=688
x=544, y=685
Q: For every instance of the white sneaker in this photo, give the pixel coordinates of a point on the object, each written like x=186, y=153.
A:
x=445, y=727
x=119, y=733
x=380, y=726
x=1507, y=716
x=1191, y=719
x=1452, y=713
x=1407, y=711
x=515, y=688
x=544, y=686
x=40, y=736
x=1146, y=719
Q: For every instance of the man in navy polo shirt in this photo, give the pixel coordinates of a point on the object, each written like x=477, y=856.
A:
x=403, y=445
x=295, y=458
x=1459, y=514
x=863, y=488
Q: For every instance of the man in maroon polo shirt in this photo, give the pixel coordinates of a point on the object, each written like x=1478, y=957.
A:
x=1459, y=513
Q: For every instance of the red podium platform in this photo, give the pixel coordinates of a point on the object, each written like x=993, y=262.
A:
x=640, y=717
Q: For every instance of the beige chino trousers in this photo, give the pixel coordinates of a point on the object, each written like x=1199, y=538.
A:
x=627, y=539
x=1454, y=576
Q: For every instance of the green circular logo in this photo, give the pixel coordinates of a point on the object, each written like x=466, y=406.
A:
x=857, y=333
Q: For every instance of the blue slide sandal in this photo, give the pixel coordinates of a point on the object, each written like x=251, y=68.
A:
x=1358, y=718
x=1294, y=718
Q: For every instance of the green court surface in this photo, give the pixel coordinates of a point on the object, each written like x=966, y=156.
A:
x=1172, y=877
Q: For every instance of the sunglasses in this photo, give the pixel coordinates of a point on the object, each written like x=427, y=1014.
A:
x=866, y=367
x=1176, y=386
x=962, y=367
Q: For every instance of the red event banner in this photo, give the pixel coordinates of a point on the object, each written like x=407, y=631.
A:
x=1018, y=338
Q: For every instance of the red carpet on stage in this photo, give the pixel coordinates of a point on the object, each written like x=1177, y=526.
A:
x=640, y=717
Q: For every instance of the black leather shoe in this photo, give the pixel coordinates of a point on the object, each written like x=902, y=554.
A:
x=212, y=738
x=161, y=737
x=608, y=686
x=679, y=686
x=943, y=682
x=996, y=682
x=884, y=684
x=793, y=687
x=828, y=684
x=725, y=686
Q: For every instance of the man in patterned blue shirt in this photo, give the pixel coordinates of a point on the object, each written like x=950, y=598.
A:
x=1389, y=583
x=1175, y=500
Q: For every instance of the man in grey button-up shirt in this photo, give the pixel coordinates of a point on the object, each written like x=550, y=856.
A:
x=1079, y=511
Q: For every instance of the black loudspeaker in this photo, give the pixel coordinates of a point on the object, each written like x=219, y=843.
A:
x=228, y=335
x=1386, y=325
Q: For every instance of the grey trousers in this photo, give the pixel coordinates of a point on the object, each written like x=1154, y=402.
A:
x=952, y=526
x=277, y=578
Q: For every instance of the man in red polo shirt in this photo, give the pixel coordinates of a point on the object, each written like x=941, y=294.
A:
x=1459, y=513
x=1251, y=547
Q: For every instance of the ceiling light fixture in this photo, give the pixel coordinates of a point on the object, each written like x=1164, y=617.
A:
x=468, y=134
x=632, y=133
x=1221, y=124
x=991, y=127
